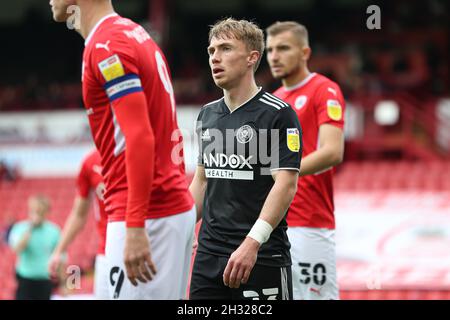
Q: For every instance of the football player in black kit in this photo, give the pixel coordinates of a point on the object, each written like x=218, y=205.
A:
x=250, y=153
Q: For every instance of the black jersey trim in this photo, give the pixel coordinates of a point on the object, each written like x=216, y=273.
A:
x=272, y=104
x=215, y=101
x=275, y=99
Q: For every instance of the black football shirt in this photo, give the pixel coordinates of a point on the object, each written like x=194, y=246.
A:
x=240, y=150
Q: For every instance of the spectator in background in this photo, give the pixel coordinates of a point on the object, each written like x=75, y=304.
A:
x=89, y=181
x=34, y=240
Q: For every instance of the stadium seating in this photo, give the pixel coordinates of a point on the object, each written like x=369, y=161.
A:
x=351, y=176
x=13, y=207
x=398, y=175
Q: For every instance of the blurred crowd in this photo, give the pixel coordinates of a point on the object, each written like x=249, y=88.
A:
x=409, y=54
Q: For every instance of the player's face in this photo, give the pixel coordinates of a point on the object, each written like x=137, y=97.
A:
x=229, y=61
x=285, y=54
x=59, y=9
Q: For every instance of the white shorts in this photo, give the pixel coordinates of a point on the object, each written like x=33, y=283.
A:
x=171, y=250
x=313, y=253
x=101, y=278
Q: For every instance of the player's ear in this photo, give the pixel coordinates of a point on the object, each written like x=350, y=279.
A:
x=306, y=53
x=253, y=58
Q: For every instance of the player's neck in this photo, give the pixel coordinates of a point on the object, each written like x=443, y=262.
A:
x=296, y=78
x=238, y=95
x=90, y=16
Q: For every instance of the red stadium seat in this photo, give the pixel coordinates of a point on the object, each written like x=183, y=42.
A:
x=13, y=207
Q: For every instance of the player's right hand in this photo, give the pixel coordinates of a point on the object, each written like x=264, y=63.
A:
x=137, y=257
x=55, y=264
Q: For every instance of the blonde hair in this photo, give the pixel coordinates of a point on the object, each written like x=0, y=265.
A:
x=243, y=30
x=297, y=29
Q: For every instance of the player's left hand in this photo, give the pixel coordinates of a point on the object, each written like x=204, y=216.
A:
x=241, y=263
x=138, y=260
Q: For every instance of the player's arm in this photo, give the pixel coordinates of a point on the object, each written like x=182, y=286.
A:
x=132, y=116
x=329, y=107
x=74, y=224
x=198, y=188
x=275, y=207
x=119, y=73
x=330, y=152
x=279, y=198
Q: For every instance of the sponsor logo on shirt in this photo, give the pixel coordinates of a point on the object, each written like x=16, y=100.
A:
x=300, y=102
x=111, y=68
x=206, y=136
x=222, y=160
x=103, y=45
x=244, y=134
x=293, y=139
x=334, y=110
x=233, y=161
x=332, y=91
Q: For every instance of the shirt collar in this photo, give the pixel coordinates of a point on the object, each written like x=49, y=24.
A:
x=91, y=34
x=301, y=83
x=259, y=90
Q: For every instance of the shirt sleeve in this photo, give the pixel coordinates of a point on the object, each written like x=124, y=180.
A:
x=286, y=141
x=116, y=68
x=83, y=183
x=330, y=105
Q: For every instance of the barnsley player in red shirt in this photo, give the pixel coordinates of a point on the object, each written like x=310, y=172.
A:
x=89, y=181
x=130, y=103
x=319, y=104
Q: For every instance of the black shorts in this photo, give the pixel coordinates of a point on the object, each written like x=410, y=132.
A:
x=30, y=289
x=265, y=283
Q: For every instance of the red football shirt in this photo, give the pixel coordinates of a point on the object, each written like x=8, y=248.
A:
x=120, y=59
x=316, y=100
x=90, y=179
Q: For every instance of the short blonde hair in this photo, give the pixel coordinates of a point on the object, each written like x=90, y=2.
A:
x=243, y=30
x=297, y=29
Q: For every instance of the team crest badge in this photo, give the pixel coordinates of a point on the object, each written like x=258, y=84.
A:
x=244, y=134
x=300, y=102
x=293, y=139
